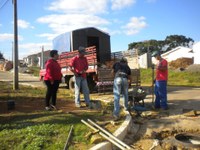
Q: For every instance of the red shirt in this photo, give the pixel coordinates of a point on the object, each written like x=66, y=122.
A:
x=53, y=70
x=162, y=74
x=79, y=64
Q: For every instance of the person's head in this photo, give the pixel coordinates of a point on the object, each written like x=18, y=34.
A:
x=81, y=51
x=54, y=54
x=124, y=60
x=157, y=55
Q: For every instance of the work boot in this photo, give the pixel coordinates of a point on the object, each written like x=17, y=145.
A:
x=78, y=105
x=54, y=107
x=89, y=105
x=47, y=108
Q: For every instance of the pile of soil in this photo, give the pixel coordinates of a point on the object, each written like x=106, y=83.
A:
x=193, y=68
x=181, y=63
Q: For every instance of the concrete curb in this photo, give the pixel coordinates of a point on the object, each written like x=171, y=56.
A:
x=120, y=133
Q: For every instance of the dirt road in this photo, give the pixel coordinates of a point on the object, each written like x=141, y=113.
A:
x=24, y=79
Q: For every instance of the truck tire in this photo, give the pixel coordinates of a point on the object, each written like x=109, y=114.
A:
x=91, y=84
x=71, y=83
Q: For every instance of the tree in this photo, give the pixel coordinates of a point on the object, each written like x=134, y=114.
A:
x=1, y=56
x=169, y=43
x=177, y=40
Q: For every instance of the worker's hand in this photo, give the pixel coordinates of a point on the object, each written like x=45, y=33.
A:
x=52, y=82
x=75, y=74
x=82, y=71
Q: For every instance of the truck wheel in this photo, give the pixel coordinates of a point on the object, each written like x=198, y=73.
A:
x=91, y=85
x=71, y=83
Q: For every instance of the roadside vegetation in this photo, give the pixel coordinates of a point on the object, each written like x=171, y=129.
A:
x=175, y=78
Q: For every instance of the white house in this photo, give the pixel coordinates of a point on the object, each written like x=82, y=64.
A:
x=196, y=50
x=178, y=52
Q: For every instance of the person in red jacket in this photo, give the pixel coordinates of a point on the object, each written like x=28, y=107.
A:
x=52, y=80
x=160, y=88
x=79, y=66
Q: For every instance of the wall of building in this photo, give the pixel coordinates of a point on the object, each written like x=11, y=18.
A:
x=196, y=50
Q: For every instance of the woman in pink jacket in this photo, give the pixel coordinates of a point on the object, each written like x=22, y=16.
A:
x=52, y=80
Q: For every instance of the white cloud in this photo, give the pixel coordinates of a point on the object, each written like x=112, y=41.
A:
x=48, y=36
x=8, y=36
x=79, y=6
x=81, y=14
x=135, y=25
x=65, y=23
x=32, y=48
x=120, y=4
x=24, y=24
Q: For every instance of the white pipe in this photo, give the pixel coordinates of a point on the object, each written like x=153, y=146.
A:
x=69, y=135
x=83, y=121
x=112, y=141
x=109, y=134
x=105, y=136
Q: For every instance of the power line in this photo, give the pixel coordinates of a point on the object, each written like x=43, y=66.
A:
x=4, y=4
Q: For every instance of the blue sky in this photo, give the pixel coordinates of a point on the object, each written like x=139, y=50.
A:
x=126, y=21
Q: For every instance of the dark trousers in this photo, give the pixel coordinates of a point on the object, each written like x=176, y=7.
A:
x=51, y=93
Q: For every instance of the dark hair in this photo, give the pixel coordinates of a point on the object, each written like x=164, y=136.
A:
x=53, y=52
x=124, y=60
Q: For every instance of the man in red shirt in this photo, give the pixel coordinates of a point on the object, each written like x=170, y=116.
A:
x=79, y=66
x=52, y=79
x=161, y=82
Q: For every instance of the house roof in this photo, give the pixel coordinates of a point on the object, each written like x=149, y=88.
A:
x=176, y=49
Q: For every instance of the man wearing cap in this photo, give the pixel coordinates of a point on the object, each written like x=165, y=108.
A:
x=79, y=66
x=122, y=80
x=161, y=81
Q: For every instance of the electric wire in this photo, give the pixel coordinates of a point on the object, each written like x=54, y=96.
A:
x=4, y=4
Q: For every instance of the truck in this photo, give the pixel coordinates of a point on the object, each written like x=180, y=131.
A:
x=99, y=75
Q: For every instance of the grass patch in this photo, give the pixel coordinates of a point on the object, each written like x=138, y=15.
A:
x=44, y=130
x=34, y=70
x=174, y=78
x=40, y=129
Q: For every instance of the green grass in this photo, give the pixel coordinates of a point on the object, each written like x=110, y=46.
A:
x=40, y=129
x=34, y=70
x=174, y=78
x=49, y=130
x=44, y=130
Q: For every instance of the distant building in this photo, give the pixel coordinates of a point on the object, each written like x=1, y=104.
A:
x=174, y=54
x=196, y=50
x=35, y=59
x=145, y=60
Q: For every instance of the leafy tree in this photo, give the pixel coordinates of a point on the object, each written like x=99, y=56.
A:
x=177, y=40
x=169, y=43
x=1, y=56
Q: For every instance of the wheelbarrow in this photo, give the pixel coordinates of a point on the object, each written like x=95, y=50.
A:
x=137, y=96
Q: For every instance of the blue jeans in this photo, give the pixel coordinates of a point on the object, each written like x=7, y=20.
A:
x=81, y=84
x=161, y=94
x=120, y=87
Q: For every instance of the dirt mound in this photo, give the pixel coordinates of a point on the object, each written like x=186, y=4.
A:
x=181, y=63
x=193, y=68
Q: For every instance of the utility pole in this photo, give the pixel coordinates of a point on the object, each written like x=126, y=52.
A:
x=15, y=52
x=42, y=58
